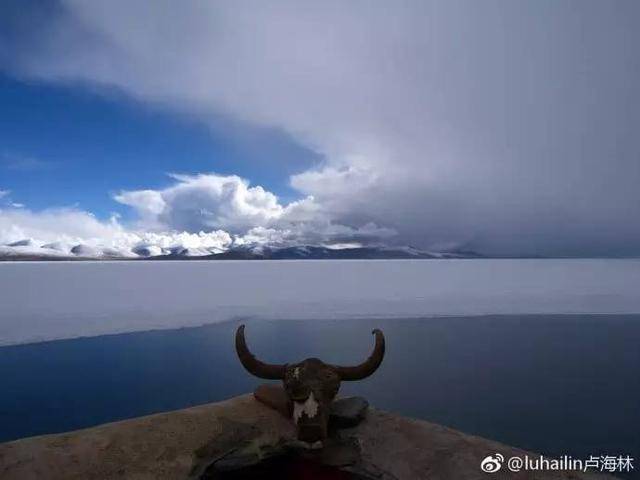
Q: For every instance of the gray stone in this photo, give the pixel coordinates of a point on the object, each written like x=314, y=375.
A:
x=273, y=396
x=340, y=452
x=348, y=412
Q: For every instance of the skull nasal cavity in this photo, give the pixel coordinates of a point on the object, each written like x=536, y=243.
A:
x=309, y=408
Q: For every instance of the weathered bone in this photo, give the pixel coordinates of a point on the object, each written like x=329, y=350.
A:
x=276, y=372
x=252, y=364
x=369, y=366
x=309, y=407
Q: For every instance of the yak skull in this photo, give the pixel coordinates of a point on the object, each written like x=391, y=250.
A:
x=311, y=385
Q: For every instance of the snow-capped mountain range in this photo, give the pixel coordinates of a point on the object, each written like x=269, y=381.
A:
x=28, y=249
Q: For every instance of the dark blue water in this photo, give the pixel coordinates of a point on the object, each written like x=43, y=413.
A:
x=552, y=384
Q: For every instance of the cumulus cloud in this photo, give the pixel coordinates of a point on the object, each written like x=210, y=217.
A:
x=205, y=202
x=208, y=202
x=63, y=232
x=507, y=127
x=55, y=225
x=197, y=215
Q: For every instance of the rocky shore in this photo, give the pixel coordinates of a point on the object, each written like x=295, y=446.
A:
x=184, y=444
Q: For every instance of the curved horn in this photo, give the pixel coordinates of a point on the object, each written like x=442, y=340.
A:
x=252, y=364
x=369, y=366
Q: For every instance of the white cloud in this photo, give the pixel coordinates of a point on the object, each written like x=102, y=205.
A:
x=205, y=202
x=66, y=225
x=331, y=182
x=494, y=124
x=5, y=199
x=148, y=204
x=197, y=215
x=208, y=202
x=73, y=232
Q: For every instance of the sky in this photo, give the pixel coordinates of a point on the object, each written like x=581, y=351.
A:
x=507, y=128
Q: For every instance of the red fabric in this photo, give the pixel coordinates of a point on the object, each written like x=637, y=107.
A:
x=305, y=470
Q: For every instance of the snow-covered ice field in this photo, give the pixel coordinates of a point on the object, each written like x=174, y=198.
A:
x=46, y=301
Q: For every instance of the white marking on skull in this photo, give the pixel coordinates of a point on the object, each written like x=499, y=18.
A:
x=296, y=372
x=309, y=407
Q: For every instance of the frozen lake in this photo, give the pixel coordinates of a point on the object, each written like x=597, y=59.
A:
x=56, y=300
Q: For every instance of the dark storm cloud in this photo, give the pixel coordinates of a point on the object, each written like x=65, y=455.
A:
x=507, y=127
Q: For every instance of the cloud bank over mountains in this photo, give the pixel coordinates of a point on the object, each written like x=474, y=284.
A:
x=504, y=127
x=197, y=215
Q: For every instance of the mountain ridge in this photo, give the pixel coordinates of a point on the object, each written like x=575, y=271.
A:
x=20, y=252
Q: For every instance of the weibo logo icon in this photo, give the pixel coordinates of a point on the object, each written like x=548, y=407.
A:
x=492, y=464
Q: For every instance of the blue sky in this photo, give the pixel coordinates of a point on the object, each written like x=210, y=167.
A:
x=76, y=146
x=509, y=128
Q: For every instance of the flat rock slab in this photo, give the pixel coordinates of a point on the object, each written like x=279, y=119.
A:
x=273, y=396
x=171, y=445
x=162, y=446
